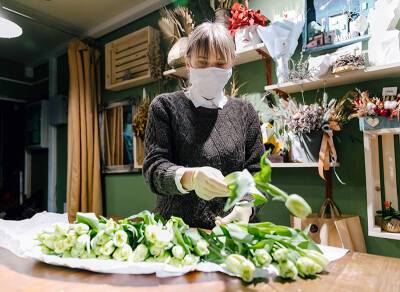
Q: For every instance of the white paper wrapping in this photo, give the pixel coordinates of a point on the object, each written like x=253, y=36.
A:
x=19, y=238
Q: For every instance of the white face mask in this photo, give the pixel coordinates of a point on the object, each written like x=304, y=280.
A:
x=209, y=83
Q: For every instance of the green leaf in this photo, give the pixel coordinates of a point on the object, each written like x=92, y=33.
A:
x=259, y=199
x=146, y=216
x=89, y=219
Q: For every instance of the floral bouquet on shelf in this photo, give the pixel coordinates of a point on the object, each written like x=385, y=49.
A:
x=243, y=25
x=388, y=218
x=375, y=112
x=309, y=127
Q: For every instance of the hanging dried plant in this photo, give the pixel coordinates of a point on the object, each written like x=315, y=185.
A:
x=140, y=118
x=175, y=23
x=223, y=4
x=235, y=86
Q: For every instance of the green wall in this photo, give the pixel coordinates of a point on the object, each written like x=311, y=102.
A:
x=126, y=194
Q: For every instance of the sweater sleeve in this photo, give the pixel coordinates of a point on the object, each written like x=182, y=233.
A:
x=158, y=169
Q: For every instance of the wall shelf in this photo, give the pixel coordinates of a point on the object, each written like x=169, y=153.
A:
x=373, y=175
x=299, y=165
x=377, y=232
x=247, y=55
x=332, y=80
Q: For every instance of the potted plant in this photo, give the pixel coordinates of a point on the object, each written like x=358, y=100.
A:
x=388, y=218
x=176, y=25
x=243, y=25
x=375, y=112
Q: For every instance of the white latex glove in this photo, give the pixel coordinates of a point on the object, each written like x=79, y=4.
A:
x=239, y=213
x=208, y=183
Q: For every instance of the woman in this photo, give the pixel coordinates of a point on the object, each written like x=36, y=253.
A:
x=194, y=138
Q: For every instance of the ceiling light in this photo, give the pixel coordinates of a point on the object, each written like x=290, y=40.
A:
x=9, y=29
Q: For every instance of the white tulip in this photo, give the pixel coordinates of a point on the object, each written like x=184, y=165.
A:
x=108, y=248
x=83, y=242
x=110, y=227
x=240, y=266
x=190, y=260
x=178, y=252
x=139, y=254
x=262, y=257
x=81, y=228
x=201, y=248
x=120, y=238
x=122, y=253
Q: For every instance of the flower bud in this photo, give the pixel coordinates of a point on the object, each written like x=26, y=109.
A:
x=240, y=266
x=60, y=246
x=81, y=228
x=318, y=258
x=298, y=206
x=178, y=252
x=156, y=250
x=139, y=254
x=110, y=227
x=280, y=255
x=307, y=267
x=122, y=253
x=201, y=248
x=76, y=252
x=190, y=260
x=83, y=242
x=120, y=238
x=108, y=248
x=46, y=250
x=60, y=230
x=102, y=238
x=262, y=257
x=288, y=270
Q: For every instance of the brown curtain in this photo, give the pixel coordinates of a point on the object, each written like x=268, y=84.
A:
x=83, y=173
x=113, y=136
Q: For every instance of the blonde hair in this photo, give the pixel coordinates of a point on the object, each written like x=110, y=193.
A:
x=211, y=38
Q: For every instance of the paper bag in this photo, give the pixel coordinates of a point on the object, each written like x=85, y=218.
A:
x=344, y=231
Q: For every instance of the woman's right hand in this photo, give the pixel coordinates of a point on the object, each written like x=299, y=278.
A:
x=207, y=182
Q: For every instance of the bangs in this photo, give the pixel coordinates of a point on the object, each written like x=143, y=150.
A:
x=211, y=39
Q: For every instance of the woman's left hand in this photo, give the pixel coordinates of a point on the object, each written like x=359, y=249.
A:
x=238, y=214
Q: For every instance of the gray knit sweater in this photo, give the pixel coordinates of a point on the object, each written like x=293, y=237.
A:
x=179, y=134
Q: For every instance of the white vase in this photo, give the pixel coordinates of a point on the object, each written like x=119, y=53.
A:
x=246, y=37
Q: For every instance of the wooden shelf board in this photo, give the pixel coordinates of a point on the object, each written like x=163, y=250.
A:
x=386, y=131
x=245, y=56
x=332, y=80
x=298, y=165
x=377, y=232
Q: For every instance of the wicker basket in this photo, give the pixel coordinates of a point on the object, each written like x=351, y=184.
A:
x=392, y=225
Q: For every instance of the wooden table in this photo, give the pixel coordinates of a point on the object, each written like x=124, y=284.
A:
x=354, y=272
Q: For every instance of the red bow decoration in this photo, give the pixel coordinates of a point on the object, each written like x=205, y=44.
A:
x=242, y=16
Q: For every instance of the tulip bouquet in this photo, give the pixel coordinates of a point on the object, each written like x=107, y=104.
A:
x=239, y=248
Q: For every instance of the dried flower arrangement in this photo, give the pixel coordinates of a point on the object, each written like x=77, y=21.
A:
x=140, y=117
x=176, y=23
x=242, y=16
x=290, y=117
x=363, y=105
x=348, y=62
x=300, y=70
